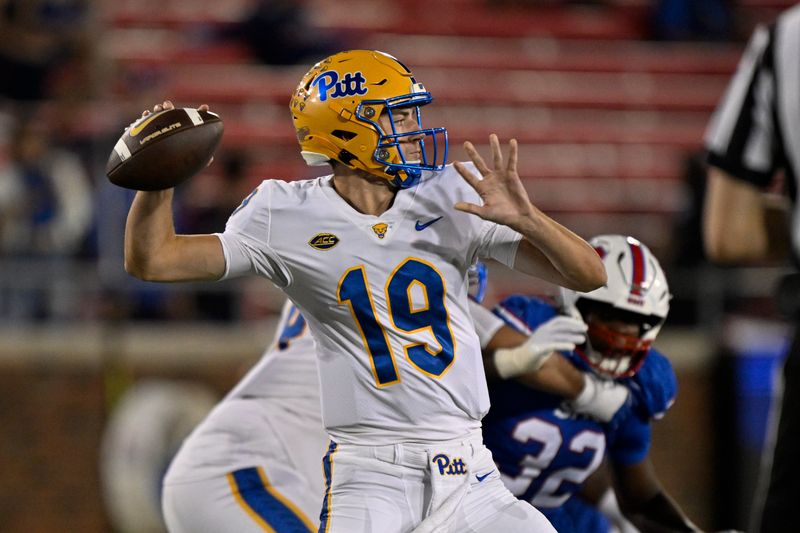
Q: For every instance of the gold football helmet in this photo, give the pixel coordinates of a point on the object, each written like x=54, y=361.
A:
x=336, y=109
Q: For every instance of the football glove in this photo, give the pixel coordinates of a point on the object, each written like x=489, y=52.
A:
x=601, y=399
x=561, y=333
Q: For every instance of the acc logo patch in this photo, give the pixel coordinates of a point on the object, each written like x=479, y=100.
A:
x=380, y=229
x=323, y=241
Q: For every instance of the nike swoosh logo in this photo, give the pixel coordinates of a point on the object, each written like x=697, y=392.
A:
x=139, y=127
x=420, y=227
x=481, y=478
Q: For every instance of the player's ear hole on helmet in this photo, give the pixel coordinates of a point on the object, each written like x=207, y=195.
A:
x=343, y=135
x=346, y=157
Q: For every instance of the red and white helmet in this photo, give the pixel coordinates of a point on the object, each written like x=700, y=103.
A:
x=636, y=293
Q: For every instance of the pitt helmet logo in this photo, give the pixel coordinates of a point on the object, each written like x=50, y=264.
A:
x=323, y=241
x=351, y=84
x=447, y=467
x=380, y=229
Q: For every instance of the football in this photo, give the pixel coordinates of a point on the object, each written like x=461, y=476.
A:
x=164, y=149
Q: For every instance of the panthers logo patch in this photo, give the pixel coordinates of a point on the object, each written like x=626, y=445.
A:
x=380, y=229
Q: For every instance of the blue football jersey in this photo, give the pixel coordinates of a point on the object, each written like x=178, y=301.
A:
x=543, y=450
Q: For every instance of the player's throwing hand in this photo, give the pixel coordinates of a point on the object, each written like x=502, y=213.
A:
x=166, y=105
x=505, y=200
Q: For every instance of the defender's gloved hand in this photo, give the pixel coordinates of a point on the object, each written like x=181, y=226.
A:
x=601, y=398
x=561, y=333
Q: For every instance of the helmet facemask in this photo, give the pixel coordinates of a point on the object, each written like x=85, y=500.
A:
x=618, y=340
x=388, y=151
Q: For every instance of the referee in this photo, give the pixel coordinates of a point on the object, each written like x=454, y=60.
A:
x=753, y=135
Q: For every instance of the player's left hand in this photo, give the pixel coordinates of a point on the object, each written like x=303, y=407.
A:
x=505, y=200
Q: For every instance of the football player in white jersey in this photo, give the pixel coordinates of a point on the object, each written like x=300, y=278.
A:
x=253, y=464
x=375, y=256
x=254, y=461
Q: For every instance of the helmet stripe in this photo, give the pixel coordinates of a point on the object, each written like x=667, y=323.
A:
x=637, y=279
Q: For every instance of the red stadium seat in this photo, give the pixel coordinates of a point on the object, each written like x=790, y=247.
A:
x=605, y=119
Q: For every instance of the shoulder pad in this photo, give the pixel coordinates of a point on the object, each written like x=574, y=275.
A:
x=654, y=386
x=525, y=313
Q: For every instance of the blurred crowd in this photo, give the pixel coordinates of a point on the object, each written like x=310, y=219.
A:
x=62, y=105
x=65, y=99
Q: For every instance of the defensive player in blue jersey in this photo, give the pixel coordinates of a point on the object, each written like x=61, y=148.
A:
x=544, y=449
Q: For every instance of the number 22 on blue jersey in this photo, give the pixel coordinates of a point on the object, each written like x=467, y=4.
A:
x=433, y=317
x=544, y=463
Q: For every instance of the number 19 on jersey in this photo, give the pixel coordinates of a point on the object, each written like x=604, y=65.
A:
x=404, y=316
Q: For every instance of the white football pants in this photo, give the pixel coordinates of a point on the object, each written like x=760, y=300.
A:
x=402, y=488
x=250, y=467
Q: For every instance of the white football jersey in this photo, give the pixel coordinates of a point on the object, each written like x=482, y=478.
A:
x=272, y=416
x=288, y=370
x=385, y=298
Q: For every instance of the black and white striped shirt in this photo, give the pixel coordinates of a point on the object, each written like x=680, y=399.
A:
x=755, y=130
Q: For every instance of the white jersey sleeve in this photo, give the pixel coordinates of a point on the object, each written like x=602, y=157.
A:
x=487, y=324
x=246, y=240
x=499, y=242
x=288, y=369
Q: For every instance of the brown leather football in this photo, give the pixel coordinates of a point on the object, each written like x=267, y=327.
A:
x=164, y=149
